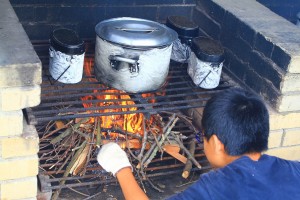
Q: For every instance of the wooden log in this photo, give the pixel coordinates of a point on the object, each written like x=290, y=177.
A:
x=189, y=163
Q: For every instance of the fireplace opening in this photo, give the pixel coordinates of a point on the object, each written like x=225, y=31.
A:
x=74, y=120
x=259, y=54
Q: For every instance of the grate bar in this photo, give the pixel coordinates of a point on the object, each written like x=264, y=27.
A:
x=152, y=111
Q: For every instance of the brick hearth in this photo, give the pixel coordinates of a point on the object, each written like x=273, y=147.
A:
x=257, y=53
x=20, y=76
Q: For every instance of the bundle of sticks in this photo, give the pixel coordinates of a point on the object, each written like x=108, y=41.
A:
x=76, y=142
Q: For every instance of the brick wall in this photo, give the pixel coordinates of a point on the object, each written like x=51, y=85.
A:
x=262, y=48
x=287, y=9
x=262, y=52
x=39, y=17
x=20, y=79
x=284, y=137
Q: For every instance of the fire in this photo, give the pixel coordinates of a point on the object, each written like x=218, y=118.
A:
x=128, y=122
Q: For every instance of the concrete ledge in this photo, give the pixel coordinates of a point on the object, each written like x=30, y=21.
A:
x=286, y=36
x=19, y=63
x=7, y=15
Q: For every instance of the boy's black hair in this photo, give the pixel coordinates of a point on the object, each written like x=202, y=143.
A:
x=239, y=119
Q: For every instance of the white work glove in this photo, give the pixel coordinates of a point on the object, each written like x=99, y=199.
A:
x=112, y=158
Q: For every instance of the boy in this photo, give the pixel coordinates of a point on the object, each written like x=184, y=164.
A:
x=236, y=129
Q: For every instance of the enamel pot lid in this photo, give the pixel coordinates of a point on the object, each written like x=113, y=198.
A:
x=135, y=33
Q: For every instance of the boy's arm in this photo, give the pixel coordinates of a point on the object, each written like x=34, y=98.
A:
x=130, y=188
x=113, y=159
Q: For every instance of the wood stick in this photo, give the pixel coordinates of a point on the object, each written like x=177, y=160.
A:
x=90, y=149
x=176, y=137
x=144, y=141
x=188, y=166
x=164, y=136
x=120, y=131
x=98, y=133
x=68, y=131
x=156, y=140
x=56, y=130
x=77, y=154
x=154, y=144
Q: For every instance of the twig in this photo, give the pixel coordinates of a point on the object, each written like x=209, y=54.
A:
x=176, y=137
x=153, y=186
x=81, y=133
x=90, y=197
x=164, y=136
x=120, y=131
x=189, y=164
x=138, y=175
x=57, y=192
x=56, y=130
x=185, y=118
x=65, y=162
x=144, y=141
x=68, y=131
x=187, y=183
x=86, y=195
x=156, y=140
x=90, y=149
x=153, y=146
x=98, y=134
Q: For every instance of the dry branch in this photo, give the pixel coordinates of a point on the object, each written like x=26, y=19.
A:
x=189, y=164
x=177, y=138
x=68, y=131
x=164, y=136
x=74, y=159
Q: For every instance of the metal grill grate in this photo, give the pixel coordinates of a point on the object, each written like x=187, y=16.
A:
x=63, y=101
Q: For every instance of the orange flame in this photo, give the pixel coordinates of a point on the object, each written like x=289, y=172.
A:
x=129, y=122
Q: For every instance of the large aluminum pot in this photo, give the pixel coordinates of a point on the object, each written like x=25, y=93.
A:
x=133, y=54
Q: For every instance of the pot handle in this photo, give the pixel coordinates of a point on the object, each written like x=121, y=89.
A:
x=133, y=64
x=136, y=30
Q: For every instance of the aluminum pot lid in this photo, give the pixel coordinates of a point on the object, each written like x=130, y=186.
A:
x=135, y=32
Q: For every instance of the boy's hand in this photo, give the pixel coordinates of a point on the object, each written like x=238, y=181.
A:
x=112, y=158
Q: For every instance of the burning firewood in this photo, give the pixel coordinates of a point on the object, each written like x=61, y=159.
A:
x=76, y=142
